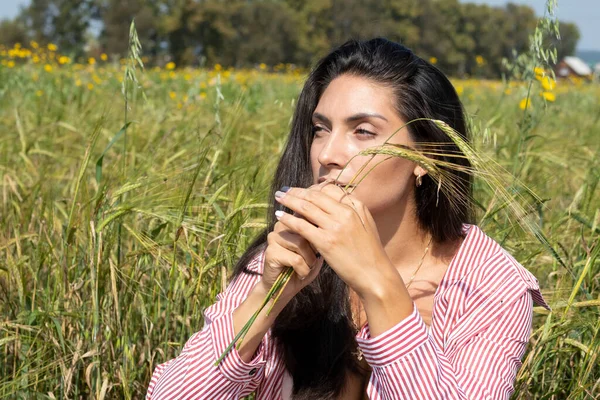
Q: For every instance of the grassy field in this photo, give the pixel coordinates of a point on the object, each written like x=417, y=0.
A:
x=109, y=253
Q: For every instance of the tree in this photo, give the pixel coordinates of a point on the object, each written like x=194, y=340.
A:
x=116, y=16
x=63, y=22
x=12, y=32
x=567, y=44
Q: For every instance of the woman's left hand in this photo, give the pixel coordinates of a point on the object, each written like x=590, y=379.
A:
x=341, y=228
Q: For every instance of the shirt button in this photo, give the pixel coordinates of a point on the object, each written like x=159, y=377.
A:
x=252, y=372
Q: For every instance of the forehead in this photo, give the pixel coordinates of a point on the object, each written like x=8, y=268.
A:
x=350, y=94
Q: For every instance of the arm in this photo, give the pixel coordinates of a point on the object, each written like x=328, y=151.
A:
x=193, y=374
x=479, y=364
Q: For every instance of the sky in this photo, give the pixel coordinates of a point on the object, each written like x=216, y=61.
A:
x=585, y=13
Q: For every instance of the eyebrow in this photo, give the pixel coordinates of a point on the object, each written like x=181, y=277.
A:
x=351, y=118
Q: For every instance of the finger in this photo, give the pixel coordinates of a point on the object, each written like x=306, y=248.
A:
x=280, y=227
x=296, y=243
x=304, y=205
x=351, y=202
x=321, y=185
x=300, y=226
x=296, y=261
x=330, y=198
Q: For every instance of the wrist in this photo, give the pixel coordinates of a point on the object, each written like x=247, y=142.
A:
x=387, y=286
x=386, y=292
x=262, y=289
x=386, y=304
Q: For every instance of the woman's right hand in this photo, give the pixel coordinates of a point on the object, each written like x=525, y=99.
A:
x=288, y=249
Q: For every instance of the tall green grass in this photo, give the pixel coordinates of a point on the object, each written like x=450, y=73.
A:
x=189, y=193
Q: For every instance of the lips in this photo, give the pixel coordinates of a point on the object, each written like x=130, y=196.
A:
x=338, y=183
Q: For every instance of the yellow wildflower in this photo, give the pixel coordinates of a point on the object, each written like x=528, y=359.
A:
x=172, y=95
x=479, y=60
x=433, y=60
x=218, y=67
x=39, y=93
x=525, y=104
x=263, y=66
x=548, y=83
x=63, y=60
x=539, y=71
x=91, y=61
x=170, y=66
x=35, y=59
x=34, y=44
x=10, y=64
x=549, y=96
x=48, y=68
x=103, y=57
x=90, y=86
x=459, y=90
x=52, y=47
x=202, y=95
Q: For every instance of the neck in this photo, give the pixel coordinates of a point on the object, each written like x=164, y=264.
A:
x=403, y=239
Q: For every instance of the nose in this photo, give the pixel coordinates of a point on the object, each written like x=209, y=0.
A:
x=334, y=153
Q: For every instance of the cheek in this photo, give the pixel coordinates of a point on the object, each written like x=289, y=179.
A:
x=314, y=162
x=389, y=182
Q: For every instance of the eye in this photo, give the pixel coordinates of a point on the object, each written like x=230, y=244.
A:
x=316, y=128
x=364, y=132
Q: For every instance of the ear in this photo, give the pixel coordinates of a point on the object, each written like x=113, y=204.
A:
x=419, y=171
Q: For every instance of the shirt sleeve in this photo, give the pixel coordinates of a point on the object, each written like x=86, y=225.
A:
x=480, y=363
x=193, y=375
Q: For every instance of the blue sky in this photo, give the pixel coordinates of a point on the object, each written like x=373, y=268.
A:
x=585, y=13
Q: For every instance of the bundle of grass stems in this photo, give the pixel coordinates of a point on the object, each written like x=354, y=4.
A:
x=507, y=188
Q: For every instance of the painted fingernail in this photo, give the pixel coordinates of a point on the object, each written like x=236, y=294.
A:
x=279, y=214
x=279, y=194
x=285, y=188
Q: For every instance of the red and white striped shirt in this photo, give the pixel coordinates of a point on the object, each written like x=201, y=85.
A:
x=480, y=327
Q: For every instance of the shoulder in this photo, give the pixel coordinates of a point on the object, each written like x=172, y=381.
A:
x=486, y=271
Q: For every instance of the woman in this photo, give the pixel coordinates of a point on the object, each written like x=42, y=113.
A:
x=395, y=295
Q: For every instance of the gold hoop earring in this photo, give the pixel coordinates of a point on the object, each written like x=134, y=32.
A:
x=419, y=181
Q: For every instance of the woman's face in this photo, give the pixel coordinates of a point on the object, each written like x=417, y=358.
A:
x=355, y=113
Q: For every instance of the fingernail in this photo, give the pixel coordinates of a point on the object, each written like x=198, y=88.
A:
x=279, y=194
x=279, y=214
x=285, y=188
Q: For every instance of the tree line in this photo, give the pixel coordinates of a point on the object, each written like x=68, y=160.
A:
x=463, y=39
